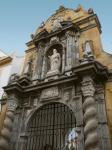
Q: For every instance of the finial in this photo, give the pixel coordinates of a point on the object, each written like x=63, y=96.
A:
x=61, y=6
x=31, y=36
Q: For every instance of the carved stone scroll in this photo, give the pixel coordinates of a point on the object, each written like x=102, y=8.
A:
x=50, y=92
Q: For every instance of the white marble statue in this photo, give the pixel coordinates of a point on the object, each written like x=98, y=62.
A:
x=55, y=61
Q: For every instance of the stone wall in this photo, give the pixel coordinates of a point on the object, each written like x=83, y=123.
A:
x=108, y=98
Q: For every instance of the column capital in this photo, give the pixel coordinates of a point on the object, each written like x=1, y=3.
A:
x=88, y=90
x=11, y=105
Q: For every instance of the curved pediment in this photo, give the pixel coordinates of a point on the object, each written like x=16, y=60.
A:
x=63, y=14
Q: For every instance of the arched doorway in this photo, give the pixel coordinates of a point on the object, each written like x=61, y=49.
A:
x=50, y=128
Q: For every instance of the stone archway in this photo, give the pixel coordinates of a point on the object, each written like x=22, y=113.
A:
x=50, y=126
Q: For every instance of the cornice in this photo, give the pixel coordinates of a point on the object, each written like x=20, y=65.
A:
x=91, y=17
x=29, y=43
x=5, y=60
x=95, y=69
x=29, y=50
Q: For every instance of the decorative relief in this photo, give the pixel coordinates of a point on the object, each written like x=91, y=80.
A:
x=29, y=112
x=66, y=96
x=54, y=39
x=88, y=90
x=50, y=92
x=11, y=106
x=55, y=22
x=74, y=105
x=35, y=102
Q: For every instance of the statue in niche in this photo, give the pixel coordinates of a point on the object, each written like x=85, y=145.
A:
x=55, y=60
x=55, y=63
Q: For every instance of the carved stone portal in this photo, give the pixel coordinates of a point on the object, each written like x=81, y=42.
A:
x=50, y=92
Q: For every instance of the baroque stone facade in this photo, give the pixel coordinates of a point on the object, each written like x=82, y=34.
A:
x=61, y=88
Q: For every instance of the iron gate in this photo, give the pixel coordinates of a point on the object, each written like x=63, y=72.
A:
x=50, y=128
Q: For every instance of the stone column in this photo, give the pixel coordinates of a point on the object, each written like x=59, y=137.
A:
x=63, y=60
x=5, y=133
x=44, y=67
x=23, y=141
x=92, y=137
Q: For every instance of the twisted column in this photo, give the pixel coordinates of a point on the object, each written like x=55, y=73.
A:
x=5, y=133
x=89, y=117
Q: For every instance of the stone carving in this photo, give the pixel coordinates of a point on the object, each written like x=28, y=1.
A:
x=11, y=106
x=69, y=18
x=78, y=8
x=90, y=11
x=89, y=118
x=5, y=133
x=35, y=102
x=55, y=63
x=61, y=6
x=55, y=60
x=88, y=90
x=42, y=24
x=31, y=36
x=74, y=105
x=55, y=23
x=50, y=92
x=66, y=96
x=29, y=112
x=14, y=77
x=54, y=39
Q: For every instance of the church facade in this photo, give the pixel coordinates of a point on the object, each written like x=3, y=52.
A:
x=64, y=89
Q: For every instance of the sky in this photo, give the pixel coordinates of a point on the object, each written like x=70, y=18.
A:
x=20, y=18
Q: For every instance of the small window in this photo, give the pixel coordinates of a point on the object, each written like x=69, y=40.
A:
x=0, y=72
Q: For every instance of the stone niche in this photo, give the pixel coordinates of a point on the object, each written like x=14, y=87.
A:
x=58, y=47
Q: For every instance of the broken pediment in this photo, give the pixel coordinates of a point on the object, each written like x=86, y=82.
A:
x=43, y=33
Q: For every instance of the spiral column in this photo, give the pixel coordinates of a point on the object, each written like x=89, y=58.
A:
x=92, y=137
x=5, y=133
